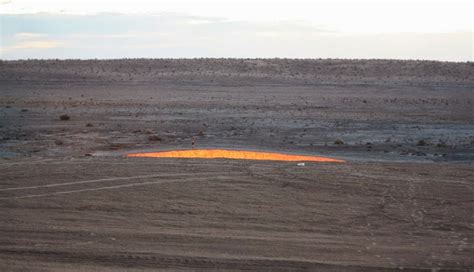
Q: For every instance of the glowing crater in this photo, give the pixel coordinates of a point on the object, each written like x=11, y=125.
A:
x=232, y=154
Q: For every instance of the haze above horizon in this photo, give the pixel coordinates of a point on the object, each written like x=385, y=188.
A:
x=432, y=30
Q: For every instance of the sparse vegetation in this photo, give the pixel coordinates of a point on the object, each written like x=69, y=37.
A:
x=421, y=143
x=218, y=70
x=338, y=142
x=64, y=117
x=154, y=138
x=117, y=146
x=441, y=144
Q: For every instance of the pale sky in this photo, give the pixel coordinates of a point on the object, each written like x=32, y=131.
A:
x=437, y=30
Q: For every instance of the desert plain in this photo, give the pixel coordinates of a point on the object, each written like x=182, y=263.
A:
x=71, y=200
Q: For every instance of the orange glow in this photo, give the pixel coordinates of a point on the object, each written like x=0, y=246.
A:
x=232, y=154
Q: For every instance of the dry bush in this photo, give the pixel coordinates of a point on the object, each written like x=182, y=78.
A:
x=154, y=138
x=339, y=142
x=421, y=143
x=64, y=117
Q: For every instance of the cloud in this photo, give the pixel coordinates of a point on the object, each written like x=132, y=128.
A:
x=113, y=35
x=199, y=21
x=125, y=35
x=28, y=36
x=41, y=44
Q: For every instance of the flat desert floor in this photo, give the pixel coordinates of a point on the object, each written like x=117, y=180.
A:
x=70, y=199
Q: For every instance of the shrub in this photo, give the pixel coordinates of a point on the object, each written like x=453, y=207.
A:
x=154, y=138
x=64, y=117
x=339, y=142
x=421, y=143
x=441, y=144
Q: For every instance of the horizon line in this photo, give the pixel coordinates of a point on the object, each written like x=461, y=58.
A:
x=229, y=58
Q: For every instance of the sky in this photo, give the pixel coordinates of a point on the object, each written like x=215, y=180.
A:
x=418, y=29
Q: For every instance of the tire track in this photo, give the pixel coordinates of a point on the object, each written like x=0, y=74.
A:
x=98, y=180
x=39, y=161
x=206, y=263
x=100, y=188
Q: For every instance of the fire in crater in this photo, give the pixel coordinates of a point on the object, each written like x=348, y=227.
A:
x=232, y=154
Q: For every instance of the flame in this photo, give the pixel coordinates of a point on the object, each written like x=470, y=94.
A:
x=232, y=154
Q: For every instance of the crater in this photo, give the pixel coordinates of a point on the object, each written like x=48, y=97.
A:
x=233, y=154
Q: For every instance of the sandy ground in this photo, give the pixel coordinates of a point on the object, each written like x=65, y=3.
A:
x=71, y=200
